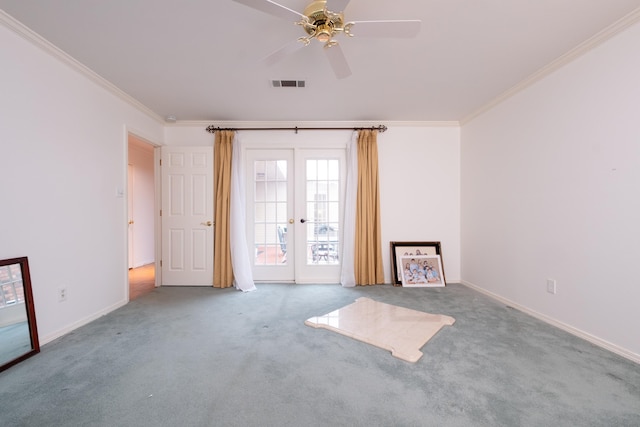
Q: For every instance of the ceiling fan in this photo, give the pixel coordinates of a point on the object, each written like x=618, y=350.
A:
x=323, y=24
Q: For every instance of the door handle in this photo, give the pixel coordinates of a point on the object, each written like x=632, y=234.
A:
x=302, y=220
x=208, y=223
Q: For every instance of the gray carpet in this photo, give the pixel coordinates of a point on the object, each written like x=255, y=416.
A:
x=210, y=357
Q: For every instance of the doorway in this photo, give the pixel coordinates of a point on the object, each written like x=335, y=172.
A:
x=295, y=207
x=141, y=208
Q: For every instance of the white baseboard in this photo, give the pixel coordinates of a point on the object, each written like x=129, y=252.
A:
x=565, y=327
x=143, y=263
x=79, y=323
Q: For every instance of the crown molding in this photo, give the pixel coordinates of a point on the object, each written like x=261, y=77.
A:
x=39, y=41
x=596, y=40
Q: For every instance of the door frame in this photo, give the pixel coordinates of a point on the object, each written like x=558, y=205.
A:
x=157, y=247
x=279, y=272
x=307, y=140
x=316, y=273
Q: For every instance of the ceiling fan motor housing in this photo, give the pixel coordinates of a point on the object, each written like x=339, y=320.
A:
x=323, y=23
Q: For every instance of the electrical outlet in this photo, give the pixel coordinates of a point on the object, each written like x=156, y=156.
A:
x=62, y=294
x=551, y=286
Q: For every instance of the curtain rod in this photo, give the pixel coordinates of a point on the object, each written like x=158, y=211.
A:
x=379, y=128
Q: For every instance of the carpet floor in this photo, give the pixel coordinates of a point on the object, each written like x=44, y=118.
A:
x=211, y=357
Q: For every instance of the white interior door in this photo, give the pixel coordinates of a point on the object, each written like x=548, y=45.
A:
x=187, y=216
x=294, y=214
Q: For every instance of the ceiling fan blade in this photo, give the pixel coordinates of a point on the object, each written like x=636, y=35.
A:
x=401, y=29
x=281, y=53
x=337, y=5
x=272, y=8
x=338, y=61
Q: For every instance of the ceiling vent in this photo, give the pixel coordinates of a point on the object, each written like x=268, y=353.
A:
x=288, y=83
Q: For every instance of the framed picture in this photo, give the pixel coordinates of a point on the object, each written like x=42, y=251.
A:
x=399, y=249
x=421, y=271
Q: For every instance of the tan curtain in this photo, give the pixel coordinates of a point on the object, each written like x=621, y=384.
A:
x=368, y=245
x=222, y=155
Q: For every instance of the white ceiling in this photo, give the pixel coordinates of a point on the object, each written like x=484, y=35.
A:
x=200, y=59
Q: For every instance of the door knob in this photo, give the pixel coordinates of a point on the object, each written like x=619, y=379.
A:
x=291, y=221
x=208, y=223
x=130, y=221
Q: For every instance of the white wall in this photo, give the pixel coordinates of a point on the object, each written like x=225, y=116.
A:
x=550, y=191
x=420, y=191
x=419, y=178
x=63, y=143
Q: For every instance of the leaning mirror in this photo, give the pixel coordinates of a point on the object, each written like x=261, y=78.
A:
x=18, y=331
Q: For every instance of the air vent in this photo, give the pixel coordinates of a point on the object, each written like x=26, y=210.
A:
x=288, y=83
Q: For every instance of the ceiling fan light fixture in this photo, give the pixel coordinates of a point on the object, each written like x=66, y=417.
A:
x=324, y=35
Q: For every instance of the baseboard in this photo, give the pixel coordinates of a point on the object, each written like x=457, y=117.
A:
x=634, y=357
x=143, y=263
x=79, y=323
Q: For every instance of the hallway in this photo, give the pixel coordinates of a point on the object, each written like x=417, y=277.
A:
x=141, y=281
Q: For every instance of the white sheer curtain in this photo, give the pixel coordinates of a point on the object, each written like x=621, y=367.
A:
x=240, y=260
x=348, y=275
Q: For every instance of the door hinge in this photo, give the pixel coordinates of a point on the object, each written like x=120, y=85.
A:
x=160, y=212
x=160, y=162
x=160, y=263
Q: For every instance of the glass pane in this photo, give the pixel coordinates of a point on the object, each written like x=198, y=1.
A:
x=311, y=170
x=259, y=192
x=282, y=169
x=333, y=213
x=311, y=190
x=282, y=240
x=322, y=169
x=333, y=192
x=271, y=234
x=281, y=191
x=321, y=193
x=259, y=233
x=259, y=170
x=271, y=191
x=310, y=217
x=322, y=211
x=334, y=170
x=270, y=212
x=258, y=210
x=271, y=170
x=281, y=214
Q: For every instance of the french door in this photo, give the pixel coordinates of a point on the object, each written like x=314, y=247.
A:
x=294, y=214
